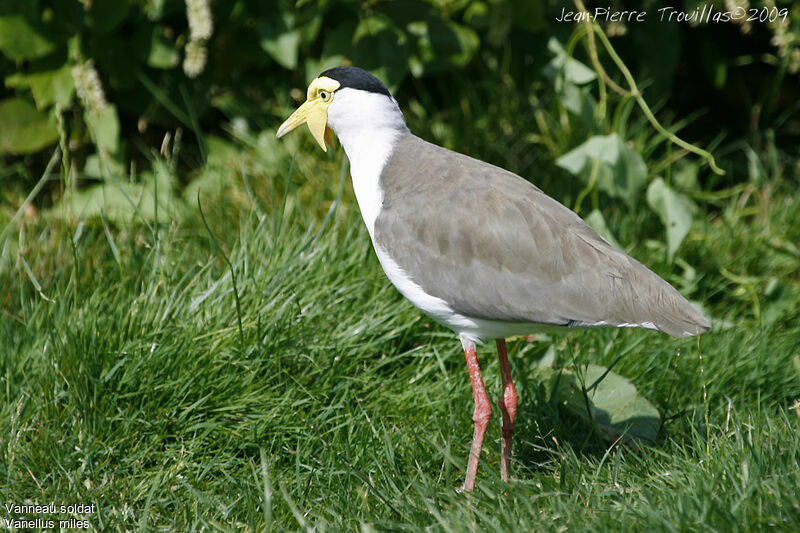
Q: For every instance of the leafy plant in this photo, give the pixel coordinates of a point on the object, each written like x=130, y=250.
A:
x=602, y=399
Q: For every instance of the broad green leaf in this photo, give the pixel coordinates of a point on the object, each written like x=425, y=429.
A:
x=309, y=30
x=467, y=44
x=573, y=70
x=380, y=47
x=578, y=101
x=53, y=87
x=605, y=400
x=48, y=87
x=675, y=211
x=24, y=129
x=618, y=169
x=280, y=40
x=104, y=126
x=371, y=26
x=440, y=45
x=19, y=40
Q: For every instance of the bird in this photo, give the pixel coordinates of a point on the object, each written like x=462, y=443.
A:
x=477, y=248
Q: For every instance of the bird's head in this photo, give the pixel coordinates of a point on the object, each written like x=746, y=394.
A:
x=344, y=98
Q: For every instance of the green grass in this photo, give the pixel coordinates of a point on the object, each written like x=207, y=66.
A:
x=127, y=382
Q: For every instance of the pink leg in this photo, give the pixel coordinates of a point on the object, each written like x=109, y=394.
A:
x=508, y=407
x=481, y=414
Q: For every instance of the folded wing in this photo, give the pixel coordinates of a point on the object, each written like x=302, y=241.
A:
x=509, y=252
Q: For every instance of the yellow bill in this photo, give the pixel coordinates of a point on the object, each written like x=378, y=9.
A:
x=314, y=111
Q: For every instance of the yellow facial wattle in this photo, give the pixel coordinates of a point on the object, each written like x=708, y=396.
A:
x=314, y=111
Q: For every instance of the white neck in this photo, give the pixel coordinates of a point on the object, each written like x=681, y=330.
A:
x=368, y=125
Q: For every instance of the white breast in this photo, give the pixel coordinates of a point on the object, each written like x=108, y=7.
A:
x=474, y=329
x=368, y=125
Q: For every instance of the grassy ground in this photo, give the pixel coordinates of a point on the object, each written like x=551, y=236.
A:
x=136, y=374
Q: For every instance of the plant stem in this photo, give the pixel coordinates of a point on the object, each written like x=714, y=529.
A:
x=634, y=91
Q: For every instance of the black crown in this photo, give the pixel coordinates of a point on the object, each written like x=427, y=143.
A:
x=356, y=78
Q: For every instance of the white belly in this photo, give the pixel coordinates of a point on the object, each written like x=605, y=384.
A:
x=475, y=329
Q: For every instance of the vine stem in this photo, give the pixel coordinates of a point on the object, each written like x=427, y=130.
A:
x=634, y=92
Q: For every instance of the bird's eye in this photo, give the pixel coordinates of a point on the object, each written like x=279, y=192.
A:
x=324, y=96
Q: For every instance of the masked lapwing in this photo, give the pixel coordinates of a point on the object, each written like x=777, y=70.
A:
x=477, y=248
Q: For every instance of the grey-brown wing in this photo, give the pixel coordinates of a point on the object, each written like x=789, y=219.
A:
x=509, y=252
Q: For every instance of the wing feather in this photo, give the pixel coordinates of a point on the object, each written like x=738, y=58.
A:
x=509, y=252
